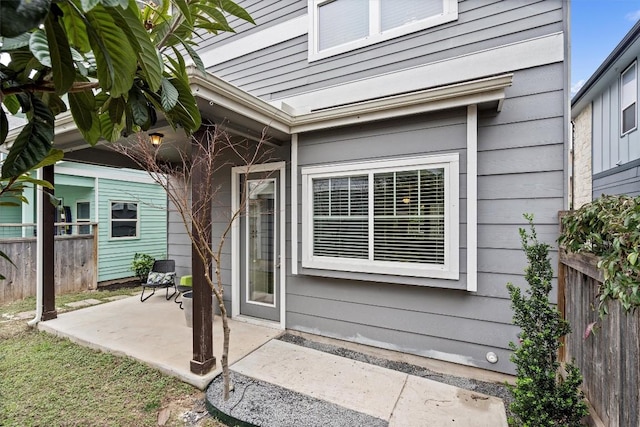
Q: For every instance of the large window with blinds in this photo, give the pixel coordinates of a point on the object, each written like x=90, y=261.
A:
x=342, y=25
x=389, y=217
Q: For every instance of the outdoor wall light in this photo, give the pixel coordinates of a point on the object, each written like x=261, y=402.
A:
x=156, y=138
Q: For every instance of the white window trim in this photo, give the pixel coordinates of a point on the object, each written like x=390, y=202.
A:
x=450, y=268
x=450, y=13
x=78, y=219
x=623, y=107
x=137, y=236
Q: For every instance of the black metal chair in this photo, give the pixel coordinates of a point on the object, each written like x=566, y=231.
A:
x=162, y=275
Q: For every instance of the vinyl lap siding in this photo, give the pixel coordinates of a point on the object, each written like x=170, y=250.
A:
x=283, y=70
x=520, y=169
x=115, y=255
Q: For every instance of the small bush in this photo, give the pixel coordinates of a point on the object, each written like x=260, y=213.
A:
x=142, y=265
x=609, y=228
x=542, y=397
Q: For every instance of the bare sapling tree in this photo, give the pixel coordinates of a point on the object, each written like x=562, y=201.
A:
x=193, y=171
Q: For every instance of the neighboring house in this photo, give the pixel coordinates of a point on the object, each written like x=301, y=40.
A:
x=410, y=137
x=131, y=214
x=606, y=140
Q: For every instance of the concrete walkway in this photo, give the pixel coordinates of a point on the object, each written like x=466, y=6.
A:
x=383, y=396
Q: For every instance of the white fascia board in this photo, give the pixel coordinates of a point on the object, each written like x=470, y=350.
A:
x=254, y=42
x=103, y=172
x=401, y=105
x=219, y=92
x=499, y=60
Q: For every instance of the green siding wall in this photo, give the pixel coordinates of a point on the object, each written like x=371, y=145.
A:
x=10, y=215
x=115, y=255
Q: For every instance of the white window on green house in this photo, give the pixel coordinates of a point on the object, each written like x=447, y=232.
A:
x=342, y=25
x=388, y=217
x=83, y=214
x=124, y=220
x=629, y=99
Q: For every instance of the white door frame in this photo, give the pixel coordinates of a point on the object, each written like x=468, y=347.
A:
x=236, y=173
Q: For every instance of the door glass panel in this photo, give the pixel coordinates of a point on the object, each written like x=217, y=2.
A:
x=261, y=241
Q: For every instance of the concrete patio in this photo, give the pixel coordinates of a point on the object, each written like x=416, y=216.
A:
x=154, y=332
x=290, y=384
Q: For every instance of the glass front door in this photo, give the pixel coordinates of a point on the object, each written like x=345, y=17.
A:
x=259, y=254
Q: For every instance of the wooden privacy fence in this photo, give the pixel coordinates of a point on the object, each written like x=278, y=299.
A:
x=75, y=265
x=609, y=359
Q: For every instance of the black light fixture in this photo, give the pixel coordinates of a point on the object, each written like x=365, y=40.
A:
x=156, y=138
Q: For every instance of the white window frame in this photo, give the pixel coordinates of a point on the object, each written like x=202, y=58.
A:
x=449, y=270
x=111, y=221
x=635, y=99
x=376, y=35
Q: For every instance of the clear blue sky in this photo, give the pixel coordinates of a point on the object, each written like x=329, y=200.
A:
x=597, y=26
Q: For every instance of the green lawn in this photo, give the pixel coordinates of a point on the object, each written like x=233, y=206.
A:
x=49, y=381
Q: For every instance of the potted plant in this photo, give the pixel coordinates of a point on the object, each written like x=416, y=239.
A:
x=142, y=265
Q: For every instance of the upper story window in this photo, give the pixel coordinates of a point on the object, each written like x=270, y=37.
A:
x=339, y=26
x=397, y=217
x=629, y=99
x=124, y=220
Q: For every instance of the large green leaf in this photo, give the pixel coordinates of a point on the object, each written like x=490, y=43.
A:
x=115, y=58
x=233, y=9
x=186, y=112
x=54, y=102
x=83, y=107
x=61, y=60
x=139, y=108
x=4, y=126
x=75, y=28
x=185, y=10
x=129, y=20
x=34, y=141
x=12, y=43
x=169, y=95
x=117, y=107
x=214, y=14
x=30, y=147
x=12, y=103
x=52, y=158
x=40, y=48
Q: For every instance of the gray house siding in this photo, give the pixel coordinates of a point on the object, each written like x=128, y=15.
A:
x=283, y=70
x=520, y=169
x=611, y=150
x=624, y=179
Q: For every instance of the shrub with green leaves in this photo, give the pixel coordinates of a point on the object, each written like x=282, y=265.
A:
x=609, y=228
x=142, y=265
x=542, y=397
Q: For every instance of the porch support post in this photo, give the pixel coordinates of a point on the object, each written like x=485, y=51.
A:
x=48, y=251
x=203, y=359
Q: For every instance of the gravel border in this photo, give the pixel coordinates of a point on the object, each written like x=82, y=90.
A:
x=254, y=403
x=257, y=403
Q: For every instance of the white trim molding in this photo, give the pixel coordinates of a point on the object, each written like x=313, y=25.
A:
x=236, y=172
x=449, y=269
x=473, y=66
x=256, y=41
x=472, y=198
